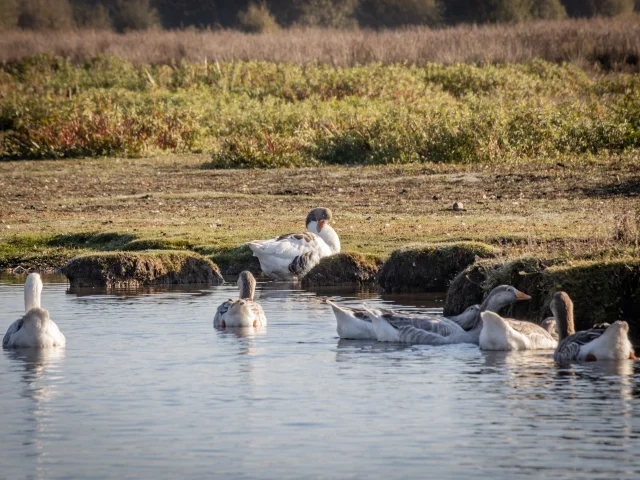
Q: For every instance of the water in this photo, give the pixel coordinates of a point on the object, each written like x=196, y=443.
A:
x=146, y=388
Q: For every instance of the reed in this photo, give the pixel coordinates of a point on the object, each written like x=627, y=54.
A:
x=608, y=44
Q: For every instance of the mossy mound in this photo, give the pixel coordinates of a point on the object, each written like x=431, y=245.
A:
x=235, y=260
x=128, y=269
x=343, y=268
x=466, y=289
x=602, y=291
x=430, y=267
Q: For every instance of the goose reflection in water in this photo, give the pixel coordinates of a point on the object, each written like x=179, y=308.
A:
x=38, y=383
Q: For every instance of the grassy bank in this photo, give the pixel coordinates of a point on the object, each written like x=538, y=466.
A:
x=260, y=114
x=579, y=208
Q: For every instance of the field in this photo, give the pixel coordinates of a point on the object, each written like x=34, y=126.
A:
x=157, y=147
x=579, y=208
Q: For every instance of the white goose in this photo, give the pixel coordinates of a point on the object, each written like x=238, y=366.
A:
x=292, y=255
x=389, y=328
x=508, y=334
x=35, y=329
x=602, y=342
x=241, y=312
x=356, y=324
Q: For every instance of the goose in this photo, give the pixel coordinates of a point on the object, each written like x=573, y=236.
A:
x=388, y=328
x=291, y=256
x=549, y=324
x=355, y=323
x=507, y=334
x=35, y=329
x=602, y=342
x=241, y=312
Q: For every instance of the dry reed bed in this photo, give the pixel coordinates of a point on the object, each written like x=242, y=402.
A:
x=606, y=43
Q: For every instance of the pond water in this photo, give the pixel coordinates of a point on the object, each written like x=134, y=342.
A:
x=146, y=388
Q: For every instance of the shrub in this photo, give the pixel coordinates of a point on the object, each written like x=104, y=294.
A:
x=258, y=19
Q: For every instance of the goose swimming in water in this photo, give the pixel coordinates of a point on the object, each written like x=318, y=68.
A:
x=508, y=334
x=356, y=324
x=602, y=342
x=292, y=255
x=388, y=328
x=241, y=312
x=35, y=329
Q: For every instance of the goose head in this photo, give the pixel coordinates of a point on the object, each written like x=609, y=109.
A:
x=562, y=309
x=467, y=318
x=502, y=296
x=32, y=292
x=318, y=223
x=246, y=285
x=317, y=219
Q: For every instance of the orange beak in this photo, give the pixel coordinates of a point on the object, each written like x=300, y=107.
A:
x=321, y=225
x=520, y=296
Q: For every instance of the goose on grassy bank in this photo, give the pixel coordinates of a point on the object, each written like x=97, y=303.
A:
x=35, y=329
x=291, y=256
x=241, y=312
x=602, y=342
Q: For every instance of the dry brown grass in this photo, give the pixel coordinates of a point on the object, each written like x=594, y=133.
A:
x=605, y=43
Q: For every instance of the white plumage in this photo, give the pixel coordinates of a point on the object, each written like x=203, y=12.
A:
x=292, y=255
x=35, y=329
x=507, y=334
x=241, y=312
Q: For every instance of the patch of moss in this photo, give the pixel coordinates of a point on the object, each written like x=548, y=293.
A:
x=602, y=291
x=430, y=267
x=235, y=260
x=343, y=268
x=119, y=269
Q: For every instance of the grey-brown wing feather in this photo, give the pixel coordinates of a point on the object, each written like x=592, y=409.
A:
x=306, y=236
x=362, y=314
x=302, y=264
x=222, y=309
x=438, y=325
x=411, y=334
x=569, y=348
x=13, y=328
x=529, y=328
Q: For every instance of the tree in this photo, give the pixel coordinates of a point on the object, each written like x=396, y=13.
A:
x=258, y=19
x=510, y=11
x=91, y=15
x=613, y=8
x=548, y=9
x=134, y=15
x=182, y=13
x=328, y=13
x=398, y=13
x=46, y=15
x=9, y=14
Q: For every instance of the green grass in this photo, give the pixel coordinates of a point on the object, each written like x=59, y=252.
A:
x=260, y=114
